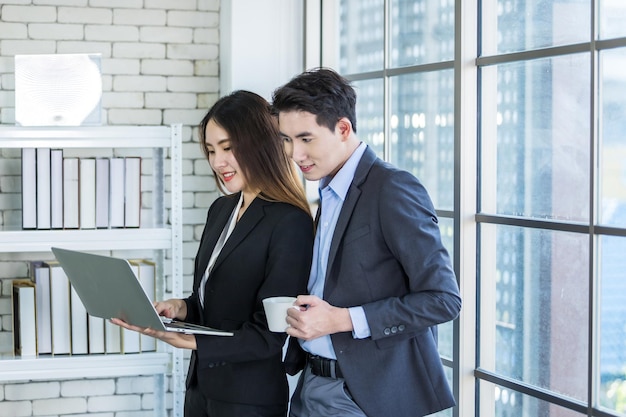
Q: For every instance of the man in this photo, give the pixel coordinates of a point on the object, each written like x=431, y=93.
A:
x=381, y=279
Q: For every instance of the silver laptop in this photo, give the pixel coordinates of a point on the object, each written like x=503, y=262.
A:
x=109, y=289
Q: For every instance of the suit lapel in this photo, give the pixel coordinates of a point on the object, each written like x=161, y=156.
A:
x=213, y=232
x=246, y=224
x=354, y=193
x=342, y=223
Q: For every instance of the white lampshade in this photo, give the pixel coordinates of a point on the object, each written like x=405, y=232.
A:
x=58, y=90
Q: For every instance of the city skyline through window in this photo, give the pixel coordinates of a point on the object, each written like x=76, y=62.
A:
x=549, y=184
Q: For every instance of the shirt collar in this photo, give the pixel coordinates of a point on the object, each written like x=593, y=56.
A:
x=343, y=178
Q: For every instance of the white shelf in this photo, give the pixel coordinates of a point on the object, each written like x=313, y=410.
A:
x=83, y=366
x=104, y=239
x=159, y=364
x=85, y=136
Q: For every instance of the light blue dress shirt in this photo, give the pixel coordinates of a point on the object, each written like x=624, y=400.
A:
x=333, y=193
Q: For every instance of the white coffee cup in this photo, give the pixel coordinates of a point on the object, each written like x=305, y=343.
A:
x=276, y=312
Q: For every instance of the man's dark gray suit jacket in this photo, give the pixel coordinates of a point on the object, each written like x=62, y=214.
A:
x=387, y=256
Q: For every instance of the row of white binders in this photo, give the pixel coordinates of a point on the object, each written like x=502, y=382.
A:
x=79, y=193
x=50, y=319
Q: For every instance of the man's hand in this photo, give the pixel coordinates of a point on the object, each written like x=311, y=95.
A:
x=316, y=318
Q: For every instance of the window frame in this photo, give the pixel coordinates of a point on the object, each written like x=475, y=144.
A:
x=467, y=215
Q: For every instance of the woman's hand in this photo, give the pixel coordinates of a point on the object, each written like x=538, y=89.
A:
x=174, y=308
x=179, y=340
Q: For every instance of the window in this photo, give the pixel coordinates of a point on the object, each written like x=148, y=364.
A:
x=544, y=169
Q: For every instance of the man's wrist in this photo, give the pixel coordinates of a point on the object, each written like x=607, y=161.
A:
x=360, y=326
x=345, y=322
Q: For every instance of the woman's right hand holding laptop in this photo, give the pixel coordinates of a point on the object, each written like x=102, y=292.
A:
x=174, y=308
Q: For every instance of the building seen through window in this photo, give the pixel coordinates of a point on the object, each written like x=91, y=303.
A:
x=551, y=146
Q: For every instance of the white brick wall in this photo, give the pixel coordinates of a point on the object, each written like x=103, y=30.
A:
x=96, y=397
x=160, y=64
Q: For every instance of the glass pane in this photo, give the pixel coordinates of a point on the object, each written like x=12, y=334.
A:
x=448, y=412
x=422, y=131
x=612, y=18
x=445, y=339
x=500, y=401
x=612, y=323
x=612, y=174
x=535, y=126
x=370, y=114
x=361, y=35
x=521, y=25
x=446, y=226
x=422, y=31
x=446, y=332
x=534, y=290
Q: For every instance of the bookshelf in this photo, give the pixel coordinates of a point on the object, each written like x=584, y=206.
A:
x=154, y=235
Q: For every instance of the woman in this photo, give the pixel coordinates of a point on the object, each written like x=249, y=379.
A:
x=266, y=229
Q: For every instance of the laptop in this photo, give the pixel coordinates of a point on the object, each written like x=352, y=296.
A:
x=108, y=288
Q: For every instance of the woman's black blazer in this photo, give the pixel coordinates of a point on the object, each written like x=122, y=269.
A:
x=268, y=254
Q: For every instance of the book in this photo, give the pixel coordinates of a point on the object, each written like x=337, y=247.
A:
x=59, y=309
x=78, y=324
x=95, y=328
x=145, y=272
x=40, y=275
x=43, y=188
x=116, y=192
x=147, y=278
x=56, y=188
x=29, y=188
x=24, y=322
x=131, y=340
x=112, y=337
x=102, y=193
x=132, y=191
x=87, y=193
x=71, y=214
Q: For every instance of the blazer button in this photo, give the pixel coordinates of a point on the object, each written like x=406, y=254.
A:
x=387, y=331
x=401, y=327
x=394, y=329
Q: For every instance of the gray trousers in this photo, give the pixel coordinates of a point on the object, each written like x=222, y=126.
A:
x=317, y=396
